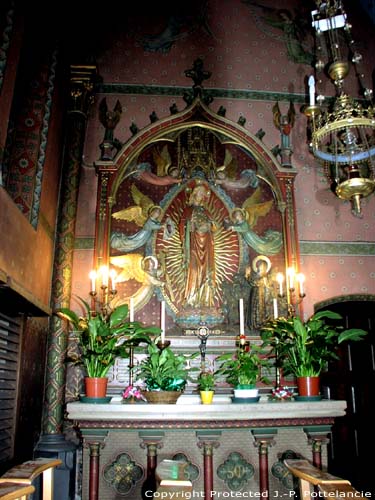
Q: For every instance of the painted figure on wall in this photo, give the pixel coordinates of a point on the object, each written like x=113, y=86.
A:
x=196, y=233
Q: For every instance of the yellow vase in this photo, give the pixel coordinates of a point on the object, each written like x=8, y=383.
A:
x=207, y=397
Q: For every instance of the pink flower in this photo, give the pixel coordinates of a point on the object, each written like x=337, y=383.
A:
x=133, y=392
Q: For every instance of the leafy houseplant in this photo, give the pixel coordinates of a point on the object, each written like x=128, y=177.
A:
x=104, y=336
x=206, y=386
x=163, y=370
x=206, y=381
x=243, y=369
x=304, y=348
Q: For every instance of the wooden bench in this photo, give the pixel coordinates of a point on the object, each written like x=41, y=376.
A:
x=330, y=486
x=14, y=491
x=27, y=472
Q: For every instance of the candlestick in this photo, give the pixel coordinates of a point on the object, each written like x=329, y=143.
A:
x=162, y=321
x=242, y=324
x=131, y=309
x=312, y=90
x=92, y=277
x=275, y=309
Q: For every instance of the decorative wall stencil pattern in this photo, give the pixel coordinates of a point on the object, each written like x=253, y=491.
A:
x=122, y=474
x=235, y=471
x=26, y=151
x=34, y=217
x=5, y=39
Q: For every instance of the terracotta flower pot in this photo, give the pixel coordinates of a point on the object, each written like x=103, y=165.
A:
x=308, y=386
x=96, y=387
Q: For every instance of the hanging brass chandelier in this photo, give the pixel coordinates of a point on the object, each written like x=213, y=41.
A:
x=341, y=134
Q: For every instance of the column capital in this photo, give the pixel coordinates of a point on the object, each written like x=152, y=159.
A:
x=208, y=440
x=152, y=440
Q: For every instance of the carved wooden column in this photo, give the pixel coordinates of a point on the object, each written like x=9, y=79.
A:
x=264, y=438
x=208, y=440
x=317, y=437
x=94, y=441
x=152, y=441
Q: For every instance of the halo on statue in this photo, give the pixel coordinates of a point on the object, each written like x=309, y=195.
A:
x=261, y=258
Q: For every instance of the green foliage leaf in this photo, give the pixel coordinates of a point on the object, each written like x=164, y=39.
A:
x=305, y=348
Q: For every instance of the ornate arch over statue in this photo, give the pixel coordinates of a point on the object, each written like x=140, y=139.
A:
x=183, y=211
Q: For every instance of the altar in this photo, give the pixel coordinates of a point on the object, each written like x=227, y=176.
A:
x=227, y=447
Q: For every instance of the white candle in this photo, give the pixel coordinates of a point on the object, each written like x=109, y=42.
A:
x=131, y=309
x=162, y=321
x=242, y=324
x=92, y=277
x=280, y=280
x=104, y=272
x=301, y=280
x=312, y=90
x=275, y=310
x=112, y=275
x=290, y=276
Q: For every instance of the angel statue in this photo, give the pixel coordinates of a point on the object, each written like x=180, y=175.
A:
x=109, y=120
x=146, y=271
x=166, y=172
x=284, y=123
x=243, y=219
x=226, y=175
x=147, y=215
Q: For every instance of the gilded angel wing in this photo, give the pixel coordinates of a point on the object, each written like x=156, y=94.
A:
x=162, y=159
x=230, y=166
x=276, y=115
x=131, y=267
x=291, y=114
x=256, y=208
x=131, y=214
x=137, y=213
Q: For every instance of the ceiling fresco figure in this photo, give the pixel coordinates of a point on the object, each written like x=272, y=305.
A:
x=294, y=27
x=184, y=20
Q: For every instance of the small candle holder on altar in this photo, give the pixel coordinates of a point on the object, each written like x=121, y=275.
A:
x=163, y=344
x=101, y=302
x=243, y=343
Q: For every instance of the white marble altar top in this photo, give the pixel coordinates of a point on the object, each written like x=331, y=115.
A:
x=188, y=407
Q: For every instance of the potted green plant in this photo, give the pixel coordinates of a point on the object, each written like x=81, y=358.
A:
x=303, y=348
x=206, y=386
x=102, y=337
x=164, y=373
x=243, y=369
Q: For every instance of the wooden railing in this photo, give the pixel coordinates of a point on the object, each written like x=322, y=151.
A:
x=329, y=486
x=16, y=483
